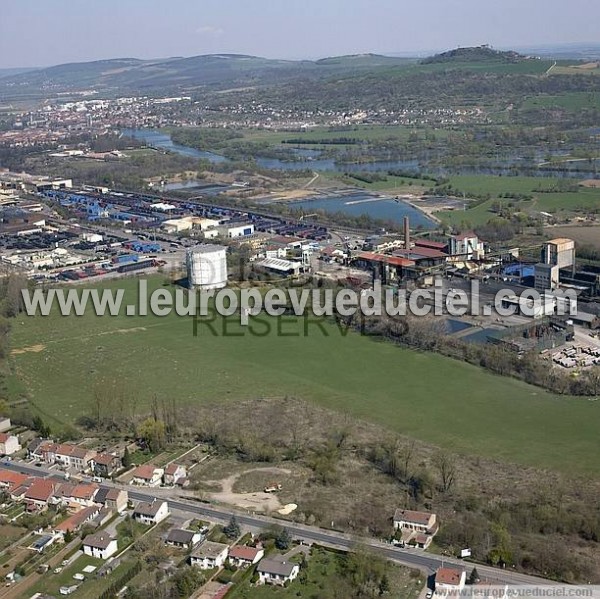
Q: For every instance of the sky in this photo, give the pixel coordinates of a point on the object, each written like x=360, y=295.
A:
x=48, y=32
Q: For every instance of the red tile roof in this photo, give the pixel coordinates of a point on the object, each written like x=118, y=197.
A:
x=393, y=260
x=171, y=469
x=76, y=520
x=145, y=471
x=84, y=491
x=40, y=490
x=244, y=553
x=421, y=518
x=12, y=479
x=448, y=576
x=113, y=494
x=104, y=458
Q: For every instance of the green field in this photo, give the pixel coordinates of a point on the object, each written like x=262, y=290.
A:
x=495, y=186
x=442, y=401
x=572, y=102
x=357, y=132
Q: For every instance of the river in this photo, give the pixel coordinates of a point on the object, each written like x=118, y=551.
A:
x=309, y=160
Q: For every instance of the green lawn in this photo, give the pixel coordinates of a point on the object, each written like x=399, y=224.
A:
x=427, y=396
x=91, y=588
x=478, y=215
x=323, y=573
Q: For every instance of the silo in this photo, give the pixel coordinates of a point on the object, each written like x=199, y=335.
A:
x=207, y=267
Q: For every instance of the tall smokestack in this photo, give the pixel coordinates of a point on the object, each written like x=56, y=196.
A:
x=406, y=233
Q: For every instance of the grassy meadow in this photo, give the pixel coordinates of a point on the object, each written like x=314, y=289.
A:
x=61, y=361
x=540, y=188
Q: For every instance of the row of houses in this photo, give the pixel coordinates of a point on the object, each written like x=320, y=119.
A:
x=101, y=544
x=273, y=570
x=104, y=465
x=207, y=555
x=74, y=457
x=148, y=475
x=40, y=493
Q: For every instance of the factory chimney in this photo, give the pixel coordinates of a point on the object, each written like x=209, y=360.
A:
x=406, y=233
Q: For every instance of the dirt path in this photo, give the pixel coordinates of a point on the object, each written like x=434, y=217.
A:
x=260, y=500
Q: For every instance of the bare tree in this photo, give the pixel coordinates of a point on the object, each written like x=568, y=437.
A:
x=446, y=466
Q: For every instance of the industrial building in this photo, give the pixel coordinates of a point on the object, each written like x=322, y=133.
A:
x=207, y=267
x=465, y=247
x=557, y=254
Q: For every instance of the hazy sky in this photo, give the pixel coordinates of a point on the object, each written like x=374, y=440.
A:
x=44, y=32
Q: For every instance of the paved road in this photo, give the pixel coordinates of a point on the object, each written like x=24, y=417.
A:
x=414, y=558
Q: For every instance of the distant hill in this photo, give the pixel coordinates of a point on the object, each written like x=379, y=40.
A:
x=218, y=72
x=130, y=75
x=363, y=60
x=15, y=71
x=474, y=55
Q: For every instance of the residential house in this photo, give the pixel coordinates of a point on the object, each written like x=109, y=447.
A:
x=10, y=480
x=103, y=518
x=73, y=456
x=174, y=473
x=66, y=455
x=38, y=494
x=151, y=513
x=36, y=447
x=63, y=493
x=84, y=494
x=183, y=539
x=117, y=500
x=100, y=545
x=9, y=444
x=209, y=555
x=77, y=520
x=105, y=464
x=449, y=581
x=147, y=475
x=277, y=571
x=242, y=556
x=5, y=424
x=423, y=522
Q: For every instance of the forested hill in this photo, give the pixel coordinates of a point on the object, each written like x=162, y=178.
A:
x=474, y=54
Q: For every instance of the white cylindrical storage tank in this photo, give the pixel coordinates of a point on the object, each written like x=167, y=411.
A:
x=207, y=267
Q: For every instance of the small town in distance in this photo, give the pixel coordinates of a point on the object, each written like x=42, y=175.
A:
x=226, y=452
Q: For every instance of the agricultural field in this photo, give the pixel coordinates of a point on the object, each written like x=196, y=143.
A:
x=584, y=235
x=572, y=102
x=62, y=362
x=359, y=132
x=589, y=68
